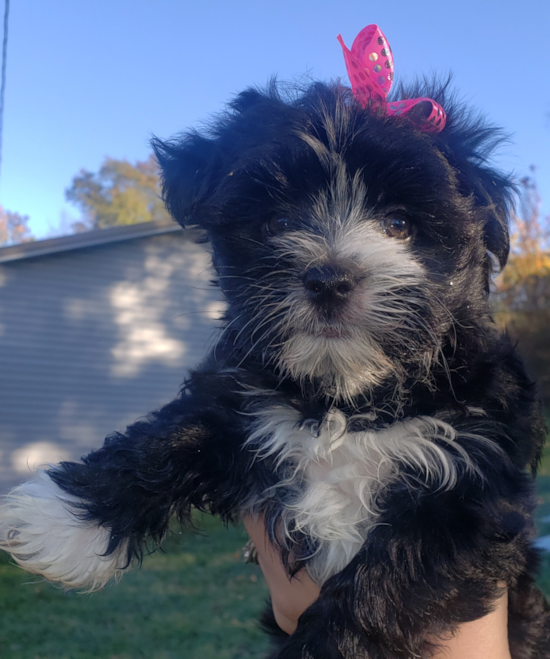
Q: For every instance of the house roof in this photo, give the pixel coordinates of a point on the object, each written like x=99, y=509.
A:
x=86, y=239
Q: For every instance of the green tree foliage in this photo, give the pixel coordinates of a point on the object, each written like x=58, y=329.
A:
x=119, y=194
x=13, y=228
x=523, y=289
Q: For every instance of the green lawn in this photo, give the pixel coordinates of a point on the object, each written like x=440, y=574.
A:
x=195, y=600
x=543, y=482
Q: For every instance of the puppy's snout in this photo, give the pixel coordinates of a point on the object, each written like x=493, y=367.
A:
x=328, y=286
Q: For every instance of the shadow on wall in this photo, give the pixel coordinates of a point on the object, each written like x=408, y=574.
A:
x=94, y=338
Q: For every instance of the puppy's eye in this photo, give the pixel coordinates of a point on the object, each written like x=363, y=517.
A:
x=277, y=225
x=396, y=226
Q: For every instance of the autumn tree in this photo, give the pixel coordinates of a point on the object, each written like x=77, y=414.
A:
x=120, y=193
x=523, y=288
x=13, y=228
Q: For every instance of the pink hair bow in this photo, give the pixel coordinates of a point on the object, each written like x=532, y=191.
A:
x=370, y=69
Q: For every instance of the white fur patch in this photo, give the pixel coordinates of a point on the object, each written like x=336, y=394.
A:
x=336, y=475
x=40, y=528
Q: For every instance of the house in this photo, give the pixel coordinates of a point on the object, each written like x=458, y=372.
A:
x=96, y=330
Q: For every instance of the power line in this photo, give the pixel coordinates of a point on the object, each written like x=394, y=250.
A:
x=3, y=87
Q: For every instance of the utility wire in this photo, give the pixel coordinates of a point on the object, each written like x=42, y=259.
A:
x=3, y=87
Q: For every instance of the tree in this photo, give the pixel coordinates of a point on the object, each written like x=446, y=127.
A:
x=13, y=228
x=120, y=193
x=523, y=289
x=525, y=283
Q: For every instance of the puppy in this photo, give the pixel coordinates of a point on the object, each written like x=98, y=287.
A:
x=360, y=397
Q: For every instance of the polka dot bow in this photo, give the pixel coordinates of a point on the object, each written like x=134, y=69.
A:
x=370, y=69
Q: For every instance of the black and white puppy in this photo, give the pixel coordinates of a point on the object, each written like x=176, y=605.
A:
x=360, y=398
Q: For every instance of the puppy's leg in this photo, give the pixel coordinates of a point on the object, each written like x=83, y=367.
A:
x=83, y=523
x=432, y=563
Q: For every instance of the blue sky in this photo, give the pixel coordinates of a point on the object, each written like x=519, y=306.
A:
x=93, y=79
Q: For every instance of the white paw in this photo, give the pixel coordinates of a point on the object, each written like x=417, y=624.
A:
x=41, y=529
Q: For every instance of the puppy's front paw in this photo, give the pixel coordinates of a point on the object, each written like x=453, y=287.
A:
x=42, y=527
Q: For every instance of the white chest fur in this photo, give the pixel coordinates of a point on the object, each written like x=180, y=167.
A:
x=336, y=476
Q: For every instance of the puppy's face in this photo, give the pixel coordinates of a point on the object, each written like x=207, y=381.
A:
x=349, y=246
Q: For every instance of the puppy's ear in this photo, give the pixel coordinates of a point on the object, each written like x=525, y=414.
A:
x=471, y=143
x=194, y=167
x=492, y=193
x=497, y=235
x=189, y=169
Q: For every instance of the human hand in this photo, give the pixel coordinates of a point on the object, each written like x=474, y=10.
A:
x=290, y=597
x=486, y=638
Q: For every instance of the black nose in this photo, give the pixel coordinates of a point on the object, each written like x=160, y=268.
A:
x=328, y=286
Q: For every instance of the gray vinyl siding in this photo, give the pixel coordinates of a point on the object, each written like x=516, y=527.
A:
x=93, y=337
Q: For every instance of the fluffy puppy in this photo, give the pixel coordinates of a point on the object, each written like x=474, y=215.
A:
x=360, y=396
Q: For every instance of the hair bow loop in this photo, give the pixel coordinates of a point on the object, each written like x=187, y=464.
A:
x=369, y=64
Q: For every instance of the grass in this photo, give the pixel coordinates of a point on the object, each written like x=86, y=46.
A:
x=196, y=599
x=543, y=513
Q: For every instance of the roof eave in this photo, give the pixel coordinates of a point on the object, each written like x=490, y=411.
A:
x=86, y=239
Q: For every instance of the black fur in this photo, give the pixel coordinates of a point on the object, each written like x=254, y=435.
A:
x=435, y=559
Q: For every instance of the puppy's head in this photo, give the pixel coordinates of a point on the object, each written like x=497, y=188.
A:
x=351, y=247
